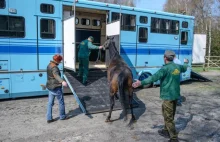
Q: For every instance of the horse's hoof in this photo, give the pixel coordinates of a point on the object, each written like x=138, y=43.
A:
x=107, y=120
x=133, y=118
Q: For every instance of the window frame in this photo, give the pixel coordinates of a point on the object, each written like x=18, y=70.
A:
x=86, y=19
x=47, y=5
x=54, y=28
x=185, y=41
x=8, y=31
x=144, y=17
x=115, y=19
x=78, y=21
x=130, y=27
x=183, y=24
x=96, y=21
x=4, y=5
x=157, y=22
x=142, y=38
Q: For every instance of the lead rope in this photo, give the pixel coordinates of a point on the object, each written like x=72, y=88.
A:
x=99, y=56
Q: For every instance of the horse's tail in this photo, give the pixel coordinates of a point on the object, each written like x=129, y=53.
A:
x=121, y=80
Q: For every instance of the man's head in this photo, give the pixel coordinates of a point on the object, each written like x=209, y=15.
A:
x=169, y=56
x=57, y=58
x=91, y=38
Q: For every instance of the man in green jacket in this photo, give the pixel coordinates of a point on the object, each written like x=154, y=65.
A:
x=83, y=56
x=169, y=76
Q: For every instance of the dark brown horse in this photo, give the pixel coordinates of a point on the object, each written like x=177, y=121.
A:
x=120, y=79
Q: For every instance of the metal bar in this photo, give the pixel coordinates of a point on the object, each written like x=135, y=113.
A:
x=74, y=94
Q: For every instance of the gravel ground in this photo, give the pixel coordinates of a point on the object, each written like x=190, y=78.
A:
x=197, y=120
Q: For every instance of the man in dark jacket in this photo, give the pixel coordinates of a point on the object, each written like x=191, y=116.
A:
x=83, y=56
x=54, y=86
x=169, y=76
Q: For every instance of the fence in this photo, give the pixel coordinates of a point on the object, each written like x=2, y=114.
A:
x=211, y=62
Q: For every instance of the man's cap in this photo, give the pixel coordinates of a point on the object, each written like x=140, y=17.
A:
x=57, y=58
x=91, y=38
x=169, y=53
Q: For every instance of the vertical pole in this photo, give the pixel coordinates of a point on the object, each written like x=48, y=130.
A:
x=209, y=43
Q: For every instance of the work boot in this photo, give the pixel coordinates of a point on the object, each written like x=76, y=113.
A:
x=86, y=82
x=173, y=140
x=66, y=118
x=49, y=121
x=164, y=133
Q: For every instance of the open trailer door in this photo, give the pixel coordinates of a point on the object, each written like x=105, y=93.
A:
x=69, y=43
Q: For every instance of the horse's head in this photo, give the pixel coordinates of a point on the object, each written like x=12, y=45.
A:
x=108, y=42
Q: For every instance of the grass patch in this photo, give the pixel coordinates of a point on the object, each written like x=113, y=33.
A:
x=200, y=69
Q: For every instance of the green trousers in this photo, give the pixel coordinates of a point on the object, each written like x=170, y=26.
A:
x=168, y=110
x=84, y=68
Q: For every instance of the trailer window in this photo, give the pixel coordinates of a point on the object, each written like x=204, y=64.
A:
x=85, y=21
x=2, y=4
x=185, y=24
x=184, y=38
x=155, y=25
x=47, y=28
x=164, y=26
x=77, y=21
x=96, y=22
x=47, y=8
x=115, y=16
x=143, y=34
x=174, y=27
x=128, y=22
x=12, y=26
x=143, y=19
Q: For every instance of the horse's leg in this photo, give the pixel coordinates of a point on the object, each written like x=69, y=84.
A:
x=112, y=103
x=116, y=96
x=124, y=109
x=130, y=102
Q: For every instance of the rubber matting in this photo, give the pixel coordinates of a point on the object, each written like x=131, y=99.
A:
x=94, y=96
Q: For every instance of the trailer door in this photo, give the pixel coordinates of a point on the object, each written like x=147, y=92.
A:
x=69, y=43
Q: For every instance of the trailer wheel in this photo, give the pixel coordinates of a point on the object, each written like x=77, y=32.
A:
x=145, y=76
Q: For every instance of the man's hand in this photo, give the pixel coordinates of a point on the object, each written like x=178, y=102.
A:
x=136, y=84
x=64, y=83
x=100, y=47
x=186, y=61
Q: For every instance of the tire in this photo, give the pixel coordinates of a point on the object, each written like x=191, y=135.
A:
x=143, y=76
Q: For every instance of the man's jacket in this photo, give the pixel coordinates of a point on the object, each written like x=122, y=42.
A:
x=53, y=76
x=169, y=76
x=84, y=48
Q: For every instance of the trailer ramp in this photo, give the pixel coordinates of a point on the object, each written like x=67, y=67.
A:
x=197, y=76
x=94, y=97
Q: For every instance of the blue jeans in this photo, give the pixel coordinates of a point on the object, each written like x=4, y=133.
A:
x=58, y=93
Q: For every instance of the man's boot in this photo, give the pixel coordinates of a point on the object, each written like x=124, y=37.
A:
x=164, y=133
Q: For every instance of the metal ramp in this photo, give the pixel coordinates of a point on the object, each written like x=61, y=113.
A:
x=94, y=97
x=197, y=76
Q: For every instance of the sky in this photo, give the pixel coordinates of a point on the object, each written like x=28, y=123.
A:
x=151, y=4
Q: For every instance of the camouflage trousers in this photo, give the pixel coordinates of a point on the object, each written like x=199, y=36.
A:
x=168, y=110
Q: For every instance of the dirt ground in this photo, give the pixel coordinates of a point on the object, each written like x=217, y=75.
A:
x=197, y=120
